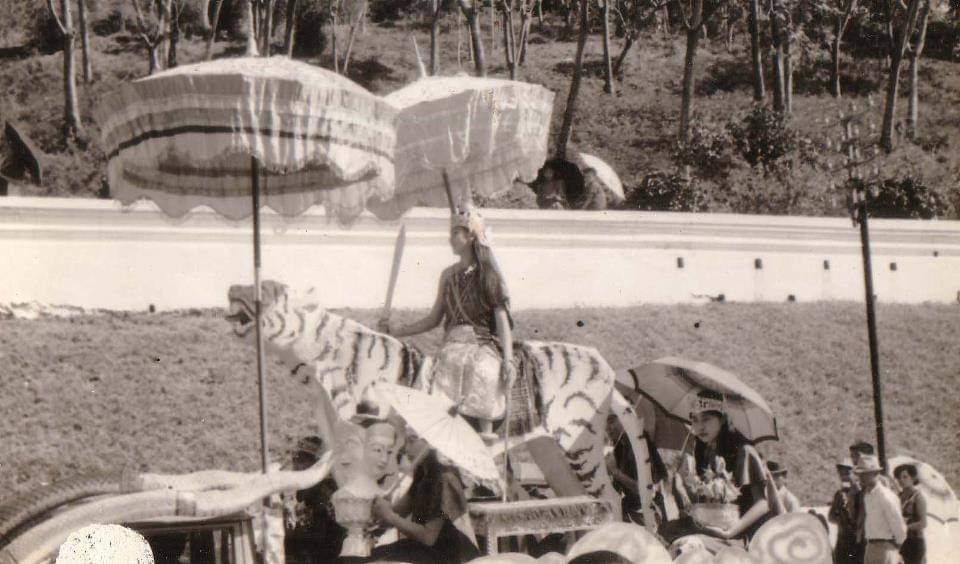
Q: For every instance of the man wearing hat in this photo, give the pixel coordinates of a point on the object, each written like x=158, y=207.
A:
x=883, y=526
x=858, y=449
x=845, y=510
x=790, y=502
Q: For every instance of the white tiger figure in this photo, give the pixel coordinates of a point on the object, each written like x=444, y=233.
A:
x=576, y=383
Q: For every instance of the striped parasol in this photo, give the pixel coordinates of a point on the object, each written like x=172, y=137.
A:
x=185, y=137
x=671, y=382
x=485, y=132
x=235, y=134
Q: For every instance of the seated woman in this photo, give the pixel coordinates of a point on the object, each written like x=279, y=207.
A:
x=474, y=307
x=426, y=515
x=721, y=450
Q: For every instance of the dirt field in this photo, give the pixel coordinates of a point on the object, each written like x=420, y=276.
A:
x=177, y=392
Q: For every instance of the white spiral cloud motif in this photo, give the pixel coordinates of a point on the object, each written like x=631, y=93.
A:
x=96, y=544
x=794, y=538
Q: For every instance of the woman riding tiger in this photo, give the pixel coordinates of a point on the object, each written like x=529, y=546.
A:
x=473, y=305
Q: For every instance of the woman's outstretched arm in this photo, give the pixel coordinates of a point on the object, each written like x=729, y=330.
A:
x=432, y=319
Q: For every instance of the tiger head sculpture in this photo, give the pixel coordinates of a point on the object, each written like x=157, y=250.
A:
x=283, y=319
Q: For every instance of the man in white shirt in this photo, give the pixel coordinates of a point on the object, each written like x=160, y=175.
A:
x=884, y=528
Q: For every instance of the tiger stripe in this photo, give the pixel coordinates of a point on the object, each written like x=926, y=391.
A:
x=568, y=366
x=581, y=396
x=386, y=353
x=324, y=319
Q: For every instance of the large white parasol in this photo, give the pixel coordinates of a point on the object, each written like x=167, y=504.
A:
x=234, y=134
x=485, y=132
x=186, y=137
x=435, y=420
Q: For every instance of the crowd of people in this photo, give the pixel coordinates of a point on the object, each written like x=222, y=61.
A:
x=474, y=369
x=875, y=525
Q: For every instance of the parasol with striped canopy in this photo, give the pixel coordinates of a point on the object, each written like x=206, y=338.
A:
x=186, y=137
x=233, y=134
x=485, y=132
x=671, y=382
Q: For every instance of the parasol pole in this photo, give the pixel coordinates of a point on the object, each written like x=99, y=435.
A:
x=261, y=361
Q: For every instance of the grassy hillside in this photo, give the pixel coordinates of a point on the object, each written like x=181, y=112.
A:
x=633, y=130
x=177, y=392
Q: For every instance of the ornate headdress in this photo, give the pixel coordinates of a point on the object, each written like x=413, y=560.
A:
x=706, y=401
x=468, y=217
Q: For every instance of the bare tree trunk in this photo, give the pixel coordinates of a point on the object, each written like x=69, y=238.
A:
x=694, y=25
x=174, y=34
x=569, y=15
x=333, y=42
x=208, y=54
x=787, y=76
x=435, y=38
x=493, y=26
x=84, y=41
x=155, y=41
x=608, y=85
x=291, y=26
x=776, y=37
x=539, y=14
x=459, y=39
x=266, y=26
x=913, y=104
x=689, y=59
x=887, y=47
x=353, y=35
x=476, y=39
x=525, y=20
x=756, y=59
x=251, y=25
x=620, y=62
x=509, y=48
x=566, y=129
x=205, y=15
x=71, y=107
x=835, y=58
x=889, y=112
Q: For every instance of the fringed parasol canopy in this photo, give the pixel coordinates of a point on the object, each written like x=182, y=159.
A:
x=185, y=138
x=485, y=132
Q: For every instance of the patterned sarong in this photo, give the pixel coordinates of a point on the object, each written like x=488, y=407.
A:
x=468, y=373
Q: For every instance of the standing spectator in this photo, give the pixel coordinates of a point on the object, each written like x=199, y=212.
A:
x=859, y=449
x=790, y=502
x=914, y=507
x=845, y=509
x=884, y=528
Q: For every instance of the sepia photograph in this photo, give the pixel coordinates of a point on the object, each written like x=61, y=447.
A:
x=486, y=281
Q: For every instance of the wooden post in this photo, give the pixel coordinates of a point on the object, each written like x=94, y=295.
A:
x=261, y=357
x=872, y=328
x=859, y=210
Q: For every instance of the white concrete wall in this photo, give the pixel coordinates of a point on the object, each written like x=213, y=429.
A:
x=92, y=254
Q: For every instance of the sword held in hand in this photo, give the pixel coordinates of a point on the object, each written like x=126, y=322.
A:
x=394, y=274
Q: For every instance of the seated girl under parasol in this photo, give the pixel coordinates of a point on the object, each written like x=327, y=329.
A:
x=726, y=470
